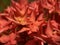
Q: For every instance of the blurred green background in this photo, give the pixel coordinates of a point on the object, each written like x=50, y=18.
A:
x=5, y=3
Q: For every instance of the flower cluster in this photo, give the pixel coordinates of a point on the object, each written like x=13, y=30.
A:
x=30, y=23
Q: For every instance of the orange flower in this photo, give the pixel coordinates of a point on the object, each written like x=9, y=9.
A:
x=38, y=19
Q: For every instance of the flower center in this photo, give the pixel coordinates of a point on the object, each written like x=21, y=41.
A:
x=21, y=20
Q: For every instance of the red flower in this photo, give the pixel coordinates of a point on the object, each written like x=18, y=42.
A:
x=35, y=22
